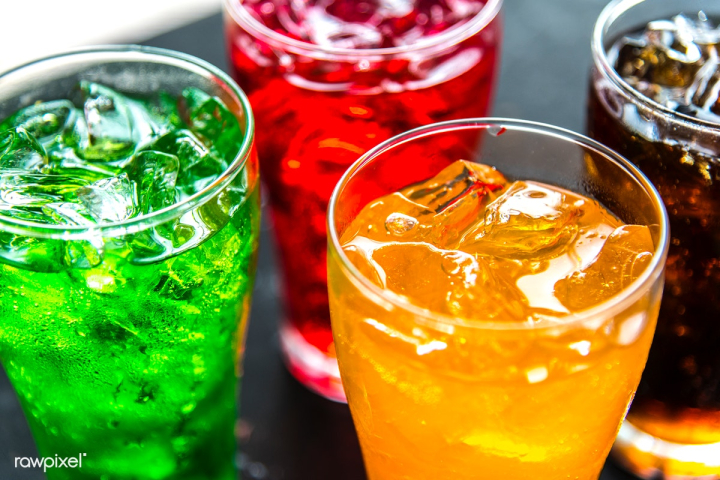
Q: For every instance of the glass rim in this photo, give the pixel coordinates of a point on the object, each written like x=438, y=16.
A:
x=608, y=308
x=612, y=11
x=142, y=222
x=456, y=34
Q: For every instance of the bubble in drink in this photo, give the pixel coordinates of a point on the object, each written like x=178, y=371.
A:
x=399, y=224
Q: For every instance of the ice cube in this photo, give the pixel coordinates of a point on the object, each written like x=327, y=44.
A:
x=26, y=252
x=528, y=219
x=166, y=106
x=36, y=190
x=21, y=197
x=221, y=209
x=110, y=199
x=175, y=237
x=212, y=121
x=148, y=246
x=352, y=11
x=113, y=125
x=64, y=161
x=183, y=233
x=414, y=270
x=625, y=255
x=360, y=251
x=363, y=24
x=157, y=116
x=664, y=56
x=330, y=31
x=390, y=22
x=453, y=183
x=675, y=62
x=395, y=8
x=675, y=38
x=147, y=126
x=155, y=174
x=437, y=16
x=20, y=151
x=457, y=196
x=105, y=278
x=382, y=220
x=84, y=254
x=700, y=31
x=198, y=165
x=66, y=213
x=184, y=278
x=447, y=281
x=705, y=91
x=44, y=121
x=108, y=124
x=170, y=239
x=437, y=211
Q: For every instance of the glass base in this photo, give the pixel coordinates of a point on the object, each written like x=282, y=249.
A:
x=650, y=457
x=310, y=366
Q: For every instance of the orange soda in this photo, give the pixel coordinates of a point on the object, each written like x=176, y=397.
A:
x=478, y=354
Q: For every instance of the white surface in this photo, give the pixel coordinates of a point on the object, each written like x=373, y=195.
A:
x=36, y=28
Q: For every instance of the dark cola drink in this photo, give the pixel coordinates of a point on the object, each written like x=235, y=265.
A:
x=659, y=106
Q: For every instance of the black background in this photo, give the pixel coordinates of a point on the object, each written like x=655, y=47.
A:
x=287, y=432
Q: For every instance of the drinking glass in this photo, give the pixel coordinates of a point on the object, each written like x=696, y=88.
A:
x=673, y=427
x=436, y=396
x=318, y=108
x=130, y=363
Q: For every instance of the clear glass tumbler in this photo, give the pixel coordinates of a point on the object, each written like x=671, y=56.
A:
x=513, y=400
x=673, y=427
x=319, y=107
x=123, y=346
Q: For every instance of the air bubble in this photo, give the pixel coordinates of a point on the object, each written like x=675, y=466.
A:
x=400, y=224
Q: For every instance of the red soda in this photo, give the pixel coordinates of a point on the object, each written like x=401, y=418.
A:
x=328, y=80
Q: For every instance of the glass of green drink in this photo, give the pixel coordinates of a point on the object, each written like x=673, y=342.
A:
x=129, y=221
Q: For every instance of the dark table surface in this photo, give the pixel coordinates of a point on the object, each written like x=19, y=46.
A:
x=287, y=432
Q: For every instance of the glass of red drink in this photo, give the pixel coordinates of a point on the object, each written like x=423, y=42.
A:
x=328, y=80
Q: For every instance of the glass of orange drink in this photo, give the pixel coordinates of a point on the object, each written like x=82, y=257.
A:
x=494, y=287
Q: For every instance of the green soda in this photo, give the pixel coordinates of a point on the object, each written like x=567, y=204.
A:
x=124, y=292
